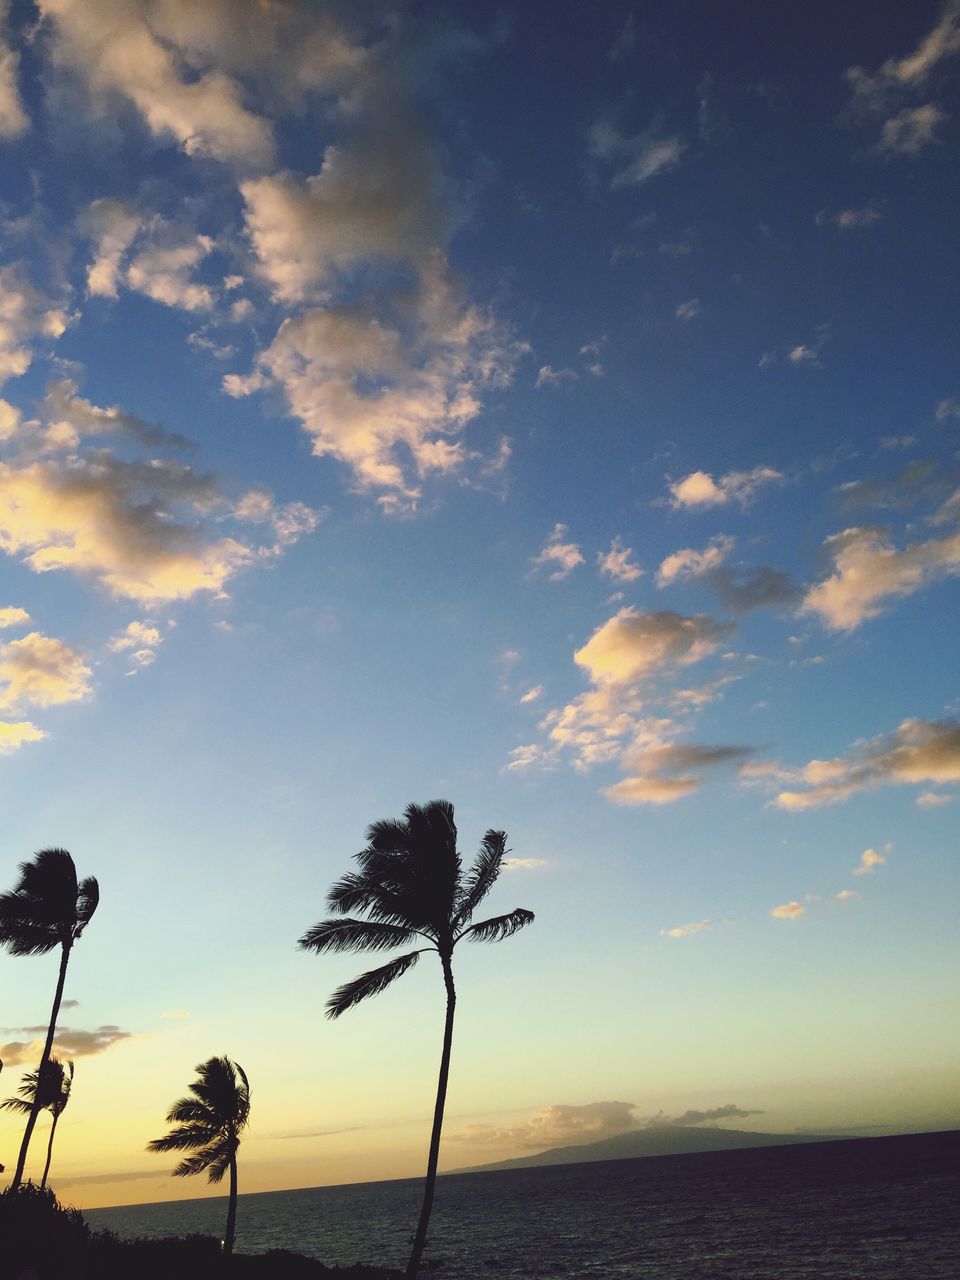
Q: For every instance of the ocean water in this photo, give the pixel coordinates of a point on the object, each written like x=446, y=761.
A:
x=876, y=1209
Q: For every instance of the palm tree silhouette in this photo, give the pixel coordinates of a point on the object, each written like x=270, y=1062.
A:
x=48, y=908
x=411, y=885
x=210, y=1123
x=54, y=1094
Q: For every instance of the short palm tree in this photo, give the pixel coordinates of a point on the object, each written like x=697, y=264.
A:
x=411, y=886
x=48, y=908
x=54, y=1094
x=210, y=1123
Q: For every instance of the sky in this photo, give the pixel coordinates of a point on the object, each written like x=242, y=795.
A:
x=555, y=409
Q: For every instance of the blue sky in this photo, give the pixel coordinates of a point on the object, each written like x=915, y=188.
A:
x=554, y=412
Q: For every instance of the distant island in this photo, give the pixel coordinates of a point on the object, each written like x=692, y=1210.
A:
x=663, y=1140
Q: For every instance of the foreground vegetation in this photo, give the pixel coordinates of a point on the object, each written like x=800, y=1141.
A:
x=43, y=1240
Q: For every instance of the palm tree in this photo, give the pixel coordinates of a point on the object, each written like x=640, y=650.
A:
x=47, y=909
x=210, y=1123
x=54, y=1095
x=411, y=885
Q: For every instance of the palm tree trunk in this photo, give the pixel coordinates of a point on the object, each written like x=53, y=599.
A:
x=46, y=1167
x=231, y=1227
x=45, y=1058
x=420, y=1239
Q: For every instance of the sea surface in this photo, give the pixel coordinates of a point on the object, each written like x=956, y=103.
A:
x=864, y=1209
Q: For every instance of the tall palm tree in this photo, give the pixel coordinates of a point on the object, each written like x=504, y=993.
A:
x=48, y=908
x=210, y=1123
x=411, y=885
x=54, y=1095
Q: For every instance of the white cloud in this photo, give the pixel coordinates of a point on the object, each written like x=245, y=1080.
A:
x=136, y=51
x=616, y=563
x=547, y=376
x=559, y=1125
x=690, y=563
x=788, y=911
x=112, y=225
x=13, y=616
x=869, y=861
x=564, y=555
x=933, y=800
x=40, y=671
x=634, y=159
x=634, y=644
x=14, y=735
x=688, y=310
x=914, y=128
x=685, y=930
x=25, y=314
x=13, y=118
x=948, y=408
x=525, y=864
x=699, y=489
x=532, y=694
x=917, y=751
x=846, y=895
x=869, y=570
x=163, y=266
x=849, y=219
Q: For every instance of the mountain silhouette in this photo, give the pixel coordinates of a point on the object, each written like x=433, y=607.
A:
x=662, y=1140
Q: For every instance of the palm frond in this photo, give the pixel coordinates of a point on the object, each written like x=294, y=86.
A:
x=482, y=875
x=88, y=899
x=369, y=984
x=199, y=1162
x=355, y=935
x=21, y=935
x=350, y=893
x=186, y=1138
x=498, y=927
x=19, y=1105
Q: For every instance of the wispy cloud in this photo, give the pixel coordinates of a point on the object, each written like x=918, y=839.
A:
x=616, y=563
x=563, y=557
x=699, y=489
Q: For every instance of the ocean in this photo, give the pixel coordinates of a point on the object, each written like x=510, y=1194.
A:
x=863, y=1209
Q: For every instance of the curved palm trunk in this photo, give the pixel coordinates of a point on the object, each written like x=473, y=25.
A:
x=45, y=1058
x=231, y=1228
x=46, y=1167
x=420, y=1239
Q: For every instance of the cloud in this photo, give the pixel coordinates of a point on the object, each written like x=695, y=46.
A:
x=789, y=911
x=914, y=128
x=696, y=1118
x=685, y=930
x=112, y=226
x=13, y=616
x=40, y=671
x=662, y=773
x=139, y=53
x=917, y=751
x=869, y=570
x=947, y=408
x=849, y=219
x=374, y=390
x=699, y=489
x=690, y=563
x=758, y=587
x=525, y=864
x=616, y=563
x=933, y=800
x=164, y=264
x=869, y=861
x=70, y=417
x=532, y=694
x=555, y=1126
x=688, y=310
x=175, y=1015
x=14, y=121
x=14, y=736
x=634, y=159
x=846, y=895
x=68, y=1043
x=565, y=555
x=634, y=644
x=547, y=376
x=25, y=314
